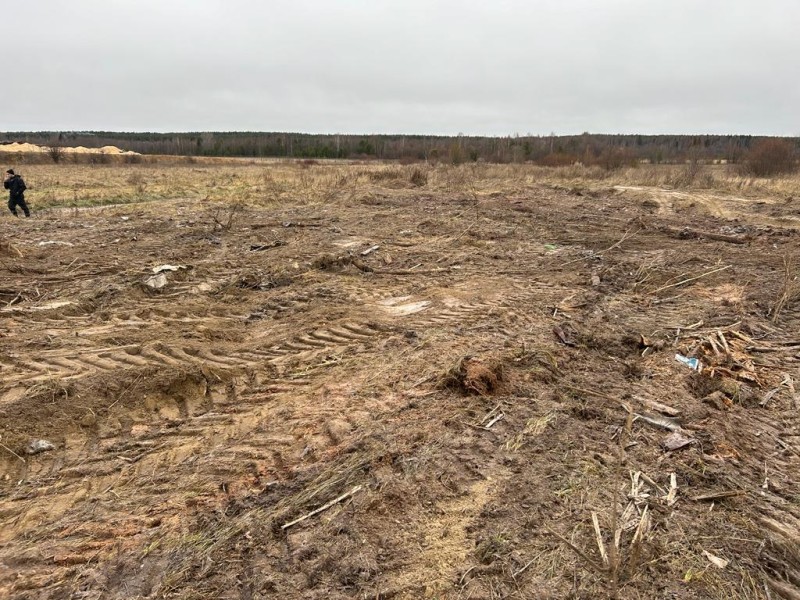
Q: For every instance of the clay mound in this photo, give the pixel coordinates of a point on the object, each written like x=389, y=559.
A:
x=18, y=147
x=26, y=148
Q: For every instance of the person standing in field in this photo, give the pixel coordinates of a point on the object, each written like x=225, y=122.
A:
x=16, y=193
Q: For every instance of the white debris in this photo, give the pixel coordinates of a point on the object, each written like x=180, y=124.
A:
x=55, y=243
x=162, y=268
x=38, y=446
x=156, y=282
x=718, y=562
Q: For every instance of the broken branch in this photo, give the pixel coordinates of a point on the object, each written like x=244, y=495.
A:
x=322, y=508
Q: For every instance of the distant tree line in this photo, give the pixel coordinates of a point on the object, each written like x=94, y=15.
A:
x=608, y=150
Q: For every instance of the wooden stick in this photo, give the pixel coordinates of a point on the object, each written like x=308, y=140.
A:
x=409, y=271
x=659, y=421
x=690, y=279
x=12, y=452
x=491, y=413
x=523, y=569
x=714, y=346
x=598, y=534
x=718, y=495
x=495, y=420
x=653, y=484
x=724, y=341
x=662, y=408
x=673, y=489
x=640, y=530
x=322, y=508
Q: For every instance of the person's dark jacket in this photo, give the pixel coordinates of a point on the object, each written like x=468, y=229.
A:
x=16, y=187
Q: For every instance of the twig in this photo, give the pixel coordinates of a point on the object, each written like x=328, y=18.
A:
x=479, y=427
x=598, y=534
x=577, y=551
x=523, y=569
x=624, y=237
x=492, y=412
x=718, y=495
x=652, y=483
x=410, y=271
x=495, y=420
x=690, y=279
x=12, y=452
x=322, y=508
x=467, y=572
x=724, y=341
x=18, y=296
x=621, y=403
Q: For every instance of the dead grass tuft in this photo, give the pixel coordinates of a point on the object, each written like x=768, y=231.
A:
x=475, y=376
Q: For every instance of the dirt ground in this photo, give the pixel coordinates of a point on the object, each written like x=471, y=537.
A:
x=396, y=388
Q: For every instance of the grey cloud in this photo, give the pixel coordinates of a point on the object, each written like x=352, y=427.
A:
x=404, y=66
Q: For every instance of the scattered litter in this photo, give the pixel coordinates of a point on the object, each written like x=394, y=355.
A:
x=550, y=247
x=156, y=282
x=692, y=363
x=55, y=243
x=595, y=280
x=657, y=406
x=38, y=446
x=370, y=250
x=660, y=421
x=125, y=218
x=676, y=441
x=162, y=268
x=273, y=244
x=718, y=562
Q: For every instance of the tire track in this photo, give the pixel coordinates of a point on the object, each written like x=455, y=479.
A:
x=203, y=447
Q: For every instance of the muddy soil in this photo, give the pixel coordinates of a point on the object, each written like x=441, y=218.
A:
x=415, y=396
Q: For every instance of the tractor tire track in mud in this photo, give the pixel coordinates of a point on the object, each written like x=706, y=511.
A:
x=200, y=428
x=212, y=402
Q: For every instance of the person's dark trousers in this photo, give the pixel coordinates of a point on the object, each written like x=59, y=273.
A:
x=13, y=203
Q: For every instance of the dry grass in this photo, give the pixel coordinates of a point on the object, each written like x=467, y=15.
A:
x=555, y=495
x=269, y=182
x=789, y=291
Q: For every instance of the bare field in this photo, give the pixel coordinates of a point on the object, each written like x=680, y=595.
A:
x=382, y=381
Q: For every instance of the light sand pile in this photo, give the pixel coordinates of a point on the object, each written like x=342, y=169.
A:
x=33, y=148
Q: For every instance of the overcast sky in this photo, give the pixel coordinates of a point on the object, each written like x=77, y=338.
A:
x=402, y=66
